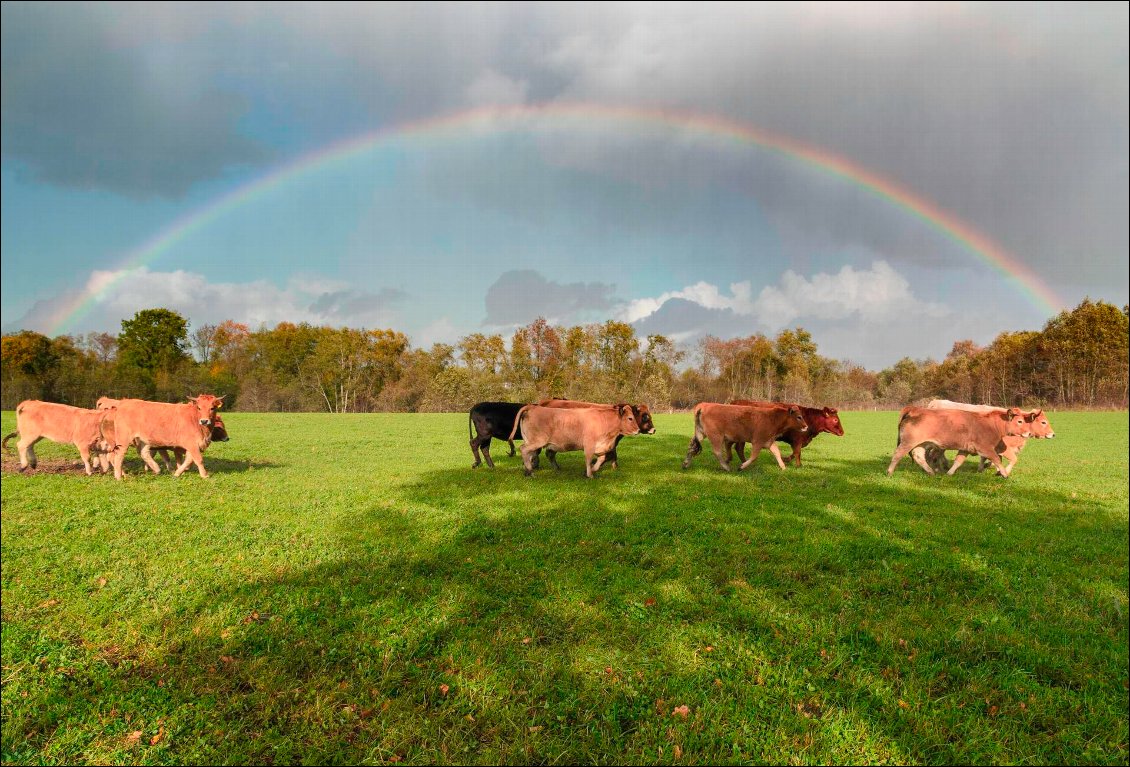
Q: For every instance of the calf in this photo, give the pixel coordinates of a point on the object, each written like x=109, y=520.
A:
x=727, y=425
x=819, y=420
x=979, y=433
x=492, y=419
x=641, y=412
x=37, y=420
x=593, y=430
x=935, y=457
x=149, y=424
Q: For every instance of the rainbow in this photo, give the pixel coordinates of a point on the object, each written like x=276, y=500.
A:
x=494, y=119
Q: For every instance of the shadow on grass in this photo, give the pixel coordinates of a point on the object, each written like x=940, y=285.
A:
x=557, y=619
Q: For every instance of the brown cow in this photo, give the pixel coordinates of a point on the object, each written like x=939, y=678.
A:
x=936, y=457
x=979, y=433
x=83, y=428
x=726, y=425
x=819, y=420
x=218, y=434
x=593, y=430
x=187, y=426
x=641, y=412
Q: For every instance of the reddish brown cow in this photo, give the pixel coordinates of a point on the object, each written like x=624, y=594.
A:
x=187, y=426
x=936, y=457
x=218, y=433
x=83, y=428
x=727, y=425
x=641, y=412
x=593, y=430
x=979, y=433
x=819, y=420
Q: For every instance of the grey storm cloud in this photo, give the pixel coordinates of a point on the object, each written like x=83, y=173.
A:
x=523, y=295
x=354, y=304
x=79, y=110
x=1010, y=118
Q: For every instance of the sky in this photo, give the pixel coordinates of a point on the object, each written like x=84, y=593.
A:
x=890, y=177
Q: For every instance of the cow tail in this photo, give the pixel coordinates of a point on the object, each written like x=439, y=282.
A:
x=518, y=420
x=5, y=442
x=471, y=423
x=696, y=441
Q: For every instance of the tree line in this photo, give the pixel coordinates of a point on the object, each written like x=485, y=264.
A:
x=1079, y=359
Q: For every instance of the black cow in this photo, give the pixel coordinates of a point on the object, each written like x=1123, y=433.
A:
x=492, y=419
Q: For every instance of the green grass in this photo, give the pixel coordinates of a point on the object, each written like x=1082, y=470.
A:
x=314, y=599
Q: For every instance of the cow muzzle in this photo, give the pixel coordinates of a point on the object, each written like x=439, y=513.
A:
x=206, y=422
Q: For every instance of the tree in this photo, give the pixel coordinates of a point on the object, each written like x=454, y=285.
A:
x=155, y=339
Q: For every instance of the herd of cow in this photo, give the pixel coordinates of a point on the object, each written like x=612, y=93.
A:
x=555, y=425
x=559, y=425
x=106, y=432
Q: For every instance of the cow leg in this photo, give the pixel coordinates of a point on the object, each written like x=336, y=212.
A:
x=776, y=451
x=728, y=446
x=693, y=449
x=753, y=453
x=900, y=453
x=26, y=449
x=165, y=460
x=552, y=456
x=84, y=454
x=146, y=453
x=740, y=448
x=593, y=468
x=528, y=454
x=957, y=461
x=920, y=457
x=996, y=461
x=193, y=455
x=795, y=457
x=119, y=459
x=511, y=443
x=720, y=454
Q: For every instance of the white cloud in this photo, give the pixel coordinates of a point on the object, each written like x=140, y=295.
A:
x=873, y=294
x=116, y=295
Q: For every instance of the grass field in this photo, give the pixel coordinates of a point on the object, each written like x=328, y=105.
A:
x=345, y=589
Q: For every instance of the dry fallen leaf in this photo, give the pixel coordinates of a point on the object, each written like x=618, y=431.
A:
x=649, y=602
x=157, y=738
x=678, y=752
x=682, y=711
x=527, y=640
x=49, y=603
x=133, y=738
x=443, y=689
x=536, y=728
x=709, y=648
x=903, y=703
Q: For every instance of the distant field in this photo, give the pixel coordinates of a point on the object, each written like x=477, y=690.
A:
x=345, y=589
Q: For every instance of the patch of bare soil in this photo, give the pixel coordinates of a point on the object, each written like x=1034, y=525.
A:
x=11, y=463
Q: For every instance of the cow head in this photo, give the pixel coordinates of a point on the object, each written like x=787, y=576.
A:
x=1016, y=423
x=105, y=403
x=1039, y=426
x=831, y=422
x=643, y=418
x=219, y=433
x=628, y=423
x=206, y=407
x=797, y=418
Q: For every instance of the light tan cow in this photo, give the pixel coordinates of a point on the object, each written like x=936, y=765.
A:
x=1041, y=428
x=729, y=425
x=593, y=430
x=218, y=434
x=36, y=420
x=158, y=424
x=641, y=412
x=979, y=433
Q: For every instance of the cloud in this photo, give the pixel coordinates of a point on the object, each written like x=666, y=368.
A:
x=523, y=295
x=118, y=295
x=496, y=89
x=80, y=111
x=865, y=315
